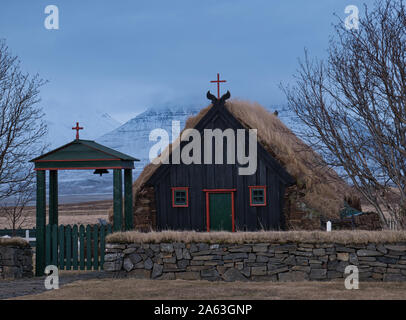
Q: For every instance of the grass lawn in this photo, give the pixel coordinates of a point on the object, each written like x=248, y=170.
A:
x=181, y=289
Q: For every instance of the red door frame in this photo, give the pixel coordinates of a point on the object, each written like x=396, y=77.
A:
x=208, y=191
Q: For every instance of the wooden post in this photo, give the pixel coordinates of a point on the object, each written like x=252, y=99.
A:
x=61, y=236
x=82, y=247
x=95, y=247
x=68, y=246
x=53, y=197
x=40, y=224
x=75, y=247
x=128, y=199
x=88, y=247
x=48, y=238
x=117, y=199
x=54, y=245
x=102, y=245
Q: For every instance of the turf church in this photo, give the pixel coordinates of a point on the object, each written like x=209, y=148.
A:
x=286, y=191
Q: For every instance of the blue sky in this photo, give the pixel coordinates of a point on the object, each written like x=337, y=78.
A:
x=123, y=56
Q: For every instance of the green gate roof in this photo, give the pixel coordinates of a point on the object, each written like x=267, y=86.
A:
x=83, y=154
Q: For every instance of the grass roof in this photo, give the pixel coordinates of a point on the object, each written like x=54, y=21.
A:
x=323, y=190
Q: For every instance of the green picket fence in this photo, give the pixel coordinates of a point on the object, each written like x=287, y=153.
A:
x=76, y=248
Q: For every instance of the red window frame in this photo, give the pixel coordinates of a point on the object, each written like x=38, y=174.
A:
x=173, y=197
x=257, y=204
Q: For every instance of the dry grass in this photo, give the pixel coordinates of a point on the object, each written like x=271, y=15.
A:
x=14, y=241
x=29, y=223
x=191, y=290
x=74, y=213
x=342, y=237
x=324, y=190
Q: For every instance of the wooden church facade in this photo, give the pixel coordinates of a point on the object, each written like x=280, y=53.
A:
x=213, y=197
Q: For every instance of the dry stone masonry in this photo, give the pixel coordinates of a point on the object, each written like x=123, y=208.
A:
x=15, y=262
x=256, y=262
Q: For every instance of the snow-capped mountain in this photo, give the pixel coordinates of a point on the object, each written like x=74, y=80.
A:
x=132, y=138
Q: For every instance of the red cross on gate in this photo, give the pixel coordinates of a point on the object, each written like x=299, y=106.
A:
x=77, y=128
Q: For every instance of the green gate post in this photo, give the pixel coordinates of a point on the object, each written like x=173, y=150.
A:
x=95, y=247
x=88, y=248
x=128, y=199
x=53, y=197
x=117, y=198
x=82, y=247
x=40, y=224
x=61, y=236
x=75, y=247
x=48, y=238
x=68, y=245
x=55, y=245
x=102, y=245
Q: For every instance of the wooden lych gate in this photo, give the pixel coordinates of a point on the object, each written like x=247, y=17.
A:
x=79, y=155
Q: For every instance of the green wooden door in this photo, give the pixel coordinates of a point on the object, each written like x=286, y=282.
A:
x=220, y=211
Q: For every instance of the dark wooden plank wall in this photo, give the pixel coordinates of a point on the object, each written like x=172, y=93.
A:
x=199, y=177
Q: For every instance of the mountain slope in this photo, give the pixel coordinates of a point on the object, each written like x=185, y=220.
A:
x=132, y=137
x=60, y=128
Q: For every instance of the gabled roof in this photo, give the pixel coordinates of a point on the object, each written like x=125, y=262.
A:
x=231, y=122
x=83, y=154
x=324, y=190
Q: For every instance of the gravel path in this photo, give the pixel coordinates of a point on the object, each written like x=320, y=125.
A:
x=35, y=285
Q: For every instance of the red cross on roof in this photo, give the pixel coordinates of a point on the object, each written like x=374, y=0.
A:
x=218, y=84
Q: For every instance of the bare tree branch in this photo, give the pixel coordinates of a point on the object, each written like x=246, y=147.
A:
x=21, y=123
x=354, y=105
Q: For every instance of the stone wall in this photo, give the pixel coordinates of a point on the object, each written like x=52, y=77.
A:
x=256, y=262
x=15, y=262
x=144, y=210
x=297, y=215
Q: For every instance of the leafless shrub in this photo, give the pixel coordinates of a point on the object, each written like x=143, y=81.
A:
x=13, y=209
